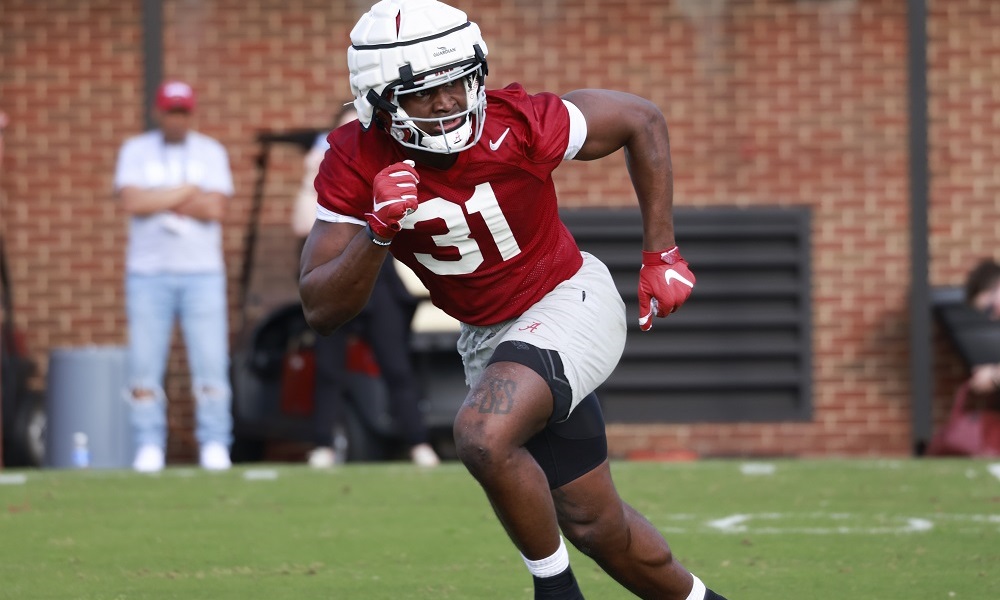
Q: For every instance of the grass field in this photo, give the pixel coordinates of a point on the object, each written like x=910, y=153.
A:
x=817, y=530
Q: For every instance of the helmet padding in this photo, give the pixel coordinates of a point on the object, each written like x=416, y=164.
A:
x=404, y=46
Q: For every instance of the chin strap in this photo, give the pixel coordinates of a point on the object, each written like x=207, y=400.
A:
x=379, y=103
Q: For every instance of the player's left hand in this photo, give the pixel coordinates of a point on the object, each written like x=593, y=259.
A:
x=665, y=282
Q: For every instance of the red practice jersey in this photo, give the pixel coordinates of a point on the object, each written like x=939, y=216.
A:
x=486, y=239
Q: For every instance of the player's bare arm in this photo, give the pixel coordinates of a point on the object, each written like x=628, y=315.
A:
x=340, y=262
x=338, y=269
x=620, y=120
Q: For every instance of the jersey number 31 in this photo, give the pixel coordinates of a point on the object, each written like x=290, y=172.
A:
x=459, y=234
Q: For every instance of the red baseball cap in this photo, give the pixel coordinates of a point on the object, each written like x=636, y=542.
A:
x=175, y=95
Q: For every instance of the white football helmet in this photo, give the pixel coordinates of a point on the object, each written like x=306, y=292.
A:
x=405, y=46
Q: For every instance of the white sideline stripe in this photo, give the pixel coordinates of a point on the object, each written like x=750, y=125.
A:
x=13, y=479
x=731, y=523
x=737, y=524
x=757, y=469
x=971, y=518
x=260, y=475
x=741, y=523
x=912, y=526
x=994, y=469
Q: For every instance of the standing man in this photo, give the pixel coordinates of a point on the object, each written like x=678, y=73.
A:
x=175, y=182
x=464, y=196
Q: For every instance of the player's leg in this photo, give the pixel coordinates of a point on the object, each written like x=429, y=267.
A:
x=507, y=406
x=622, y=541
x=618, y=538
x=528, y=385
x=573, y=454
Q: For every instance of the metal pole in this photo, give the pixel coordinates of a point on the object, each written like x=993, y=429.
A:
x=152, y=46
x=921, y=360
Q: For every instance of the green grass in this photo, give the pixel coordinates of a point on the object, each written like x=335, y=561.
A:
x=817, y=530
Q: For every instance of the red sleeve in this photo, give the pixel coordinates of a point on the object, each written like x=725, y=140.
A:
x=545, y=123
x=344, y=181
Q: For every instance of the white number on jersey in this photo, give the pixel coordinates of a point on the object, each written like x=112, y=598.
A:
x=459, y=235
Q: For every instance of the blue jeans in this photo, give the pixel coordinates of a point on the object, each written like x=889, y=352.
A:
x=198, y=300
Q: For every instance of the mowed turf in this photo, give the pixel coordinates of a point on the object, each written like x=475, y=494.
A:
x=795, y=529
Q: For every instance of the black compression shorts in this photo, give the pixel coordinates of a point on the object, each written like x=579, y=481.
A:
x=569, y=446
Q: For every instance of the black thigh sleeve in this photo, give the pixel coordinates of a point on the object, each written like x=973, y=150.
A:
x=573, y=447
x=569, y=446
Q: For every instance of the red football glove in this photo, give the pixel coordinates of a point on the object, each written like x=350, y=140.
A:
x=665, y=282
x=395, y=196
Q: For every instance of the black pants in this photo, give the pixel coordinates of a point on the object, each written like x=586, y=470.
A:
x=385, y=325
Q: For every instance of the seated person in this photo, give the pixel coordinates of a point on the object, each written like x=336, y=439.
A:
x=982, y=292
x=385, y=324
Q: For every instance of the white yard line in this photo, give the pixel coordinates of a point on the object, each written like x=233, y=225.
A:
x=820, y=523
x=757, y=468
x=260, y=475
x=13, y=478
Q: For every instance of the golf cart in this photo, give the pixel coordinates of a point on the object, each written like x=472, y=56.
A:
x=23, y=409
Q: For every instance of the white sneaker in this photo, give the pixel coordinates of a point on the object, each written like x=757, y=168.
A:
x=149, y=459
x=424, y=456
x=322, y=458
x=215, y=457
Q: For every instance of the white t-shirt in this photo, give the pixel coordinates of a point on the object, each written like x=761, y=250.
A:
x=304, y=207
x=165, y=242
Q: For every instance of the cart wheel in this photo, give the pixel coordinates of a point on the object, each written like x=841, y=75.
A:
x=247, y=449
x=26, y=446
x=361, y=443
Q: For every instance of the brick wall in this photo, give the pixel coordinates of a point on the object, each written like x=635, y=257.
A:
x=770, y=102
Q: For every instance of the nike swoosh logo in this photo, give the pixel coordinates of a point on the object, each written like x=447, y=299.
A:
x=496, y=144
x=377, y=206
x=672, y=274
x=380, y=205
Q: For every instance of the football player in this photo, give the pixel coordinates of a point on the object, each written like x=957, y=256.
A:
x=456, y=182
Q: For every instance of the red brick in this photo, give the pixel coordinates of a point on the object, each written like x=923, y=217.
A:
x=769, y=103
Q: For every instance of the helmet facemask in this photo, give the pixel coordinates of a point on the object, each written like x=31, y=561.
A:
x=412, y=132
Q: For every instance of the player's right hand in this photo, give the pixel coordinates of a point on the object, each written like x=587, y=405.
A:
x=395, y=196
